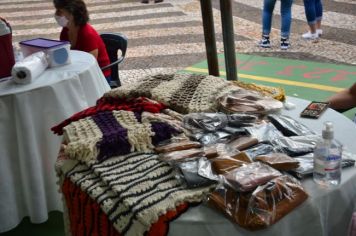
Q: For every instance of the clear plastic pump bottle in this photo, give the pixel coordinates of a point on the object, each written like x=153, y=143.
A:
x=327, y=158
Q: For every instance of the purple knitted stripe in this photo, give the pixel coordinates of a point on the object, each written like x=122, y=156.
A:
x=114, y=141
x=138, y=116
x=163, y=131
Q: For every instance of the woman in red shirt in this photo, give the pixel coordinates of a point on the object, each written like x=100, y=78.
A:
x=73, y=16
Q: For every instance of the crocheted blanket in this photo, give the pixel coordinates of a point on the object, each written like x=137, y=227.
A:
x=111, y=133
x=133, y=190
x=139, y=104
x=184, y=93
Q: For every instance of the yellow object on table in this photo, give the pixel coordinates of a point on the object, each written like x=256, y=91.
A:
x=274, y=92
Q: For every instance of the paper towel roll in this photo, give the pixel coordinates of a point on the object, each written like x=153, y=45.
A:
x=29, y=68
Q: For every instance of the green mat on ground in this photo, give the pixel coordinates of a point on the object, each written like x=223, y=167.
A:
x=304, y=79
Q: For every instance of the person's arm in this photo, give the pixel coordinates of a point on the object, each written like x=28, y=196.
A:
x=346, y=99
x=95, y=53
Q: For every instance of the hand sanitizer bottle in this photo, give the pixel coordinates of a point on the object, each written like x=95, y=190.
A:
x=327, y=158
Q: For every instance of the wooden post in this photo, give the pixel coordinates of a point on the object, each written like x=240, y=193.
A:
x=228, y=38
x=209, y=35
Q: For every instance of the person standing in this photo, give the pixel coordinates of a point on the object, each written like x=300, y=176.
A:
x=314, y=14
x=286, y=20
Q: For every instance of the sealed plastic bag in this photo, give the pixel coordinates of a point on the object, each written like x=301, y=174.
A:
x=176, y=146
x=226, y=163
x=264, y=206
x=205, y=121
x=259, y=149
x=182, y=155
x=293, y=147
x=264, y=132
x=244, y=101
x=242, y=143
x=288, y=126
x=191, y=176
x=248, y=177
x=279, y=161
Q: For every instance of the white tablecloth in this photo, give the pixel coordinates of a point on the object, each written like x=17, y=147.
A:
x=326, y=211
x=28, y=149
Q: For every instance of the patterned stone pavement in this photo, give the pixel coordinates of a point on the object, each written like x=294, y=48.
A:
x=168, y=36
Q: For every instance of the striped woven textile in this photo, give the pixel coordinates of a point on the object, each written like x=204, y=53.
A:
x=184, y=93
x=110, y=133
x=139, y=104
x=132, y=190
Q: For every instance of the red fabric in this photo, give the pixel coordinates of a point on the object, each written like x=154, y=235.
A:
x=86, y=217
x=109, y=104
x=88, y=40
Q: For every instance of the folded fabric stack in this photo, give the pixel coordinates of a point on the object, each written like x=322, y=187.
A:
x=184, y=93
x=133, y=190
x=111, y=133
x=139, y=104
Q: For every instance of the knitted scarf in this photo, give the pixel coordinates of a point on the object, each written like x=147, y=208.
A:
x=111, y=133
x=184, y=93
x=132, y=190
x=139, y=104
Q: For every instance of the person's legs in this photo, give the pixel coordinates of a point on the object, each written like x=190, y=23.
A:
x=310, y=13
x=318, y=16
x=286, y=20
x=267, y=12
x=286, y=17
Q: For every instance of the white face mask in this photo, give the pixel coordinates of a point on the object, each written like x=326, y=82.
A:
x=61, y=20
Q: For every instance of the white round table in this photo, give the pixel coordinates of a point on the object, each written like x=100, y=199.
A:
x=28, y=149
x=325, y=212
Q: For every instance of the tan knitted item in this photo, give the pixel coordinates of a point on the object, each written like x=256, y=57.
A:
x=184, y=93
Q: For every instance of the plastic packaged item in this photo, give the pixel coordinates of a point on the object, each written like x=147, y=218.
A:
x=210, y=152
x=57, y=51
x=292, y=147
x=205, y=170
x=224, y=164
x=279, y=161
x=182, y=155
x=244, y=101
x=264, y=132
x=241, y=120
x=288, y=126
x=205, y=121
x=306, y=165
x=177, y=146
x=243, y=143
x=27, y=70
x=259, y=149
x=248, y=177
x=327, y=158
x=209, y=138
x=7, y=59
x=191, y=176
x=266, y=205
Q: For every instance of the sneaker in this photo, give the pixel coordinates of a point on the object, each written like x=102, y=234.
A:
x=309, y=35
x=265, y=43
x=319, y=32
x=285, y=43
